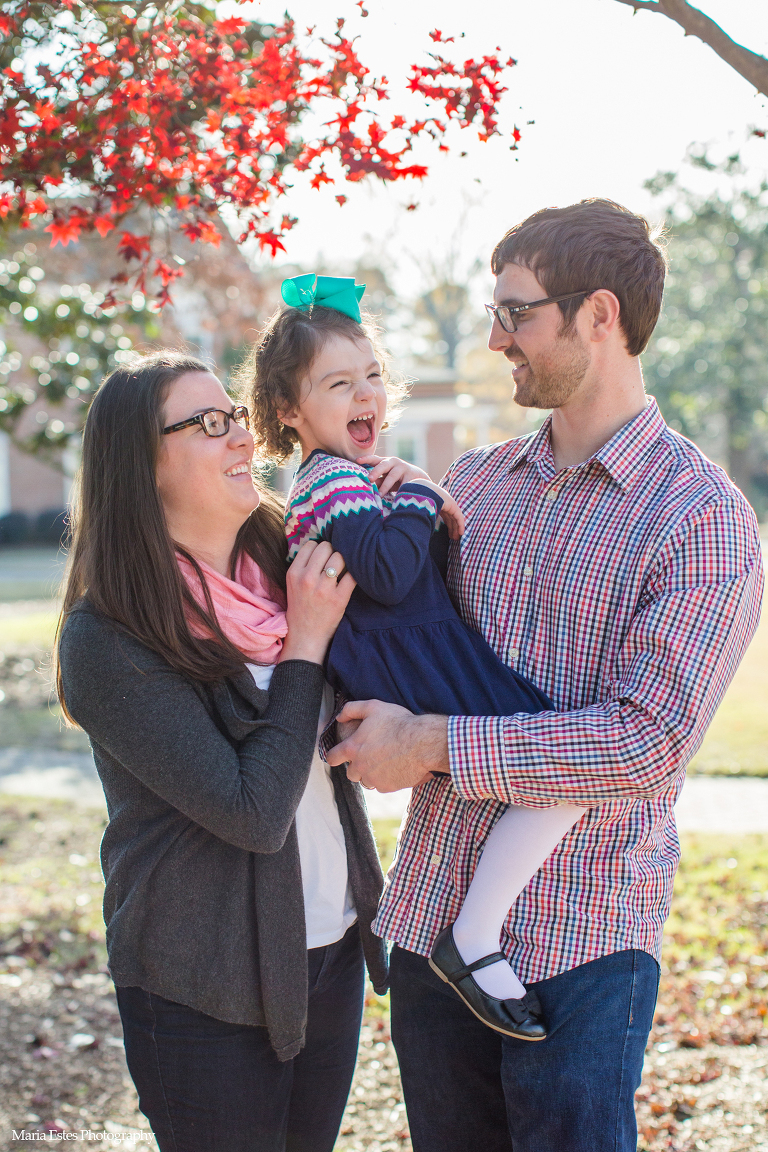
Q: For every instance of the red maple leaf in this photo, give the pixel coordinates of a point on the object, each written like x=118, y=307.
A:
x=230, y=27
x=64, y=231
x=37, y=207
x=133, y=247
x=47, y=115
x=103, y=225
x=209, y=233
x=320, y=178
x=271, y=241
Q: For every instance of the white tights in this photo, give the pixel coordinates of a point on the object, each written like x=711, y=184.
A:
x=517, y=847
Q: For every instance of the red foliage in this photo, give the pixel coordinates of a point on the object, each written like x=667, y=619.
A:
x=133, y=247
x=64, y=230
x=468, y=92
x=180, y=114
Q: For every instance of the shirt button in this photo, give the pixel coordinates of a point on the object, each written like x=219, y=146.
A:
x=435, y=861
x=551, y=495
x=515, y=653
x=527, y=571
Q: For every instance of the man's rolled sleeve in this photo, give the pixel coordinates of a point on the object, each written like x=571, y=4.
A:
x=480, y=764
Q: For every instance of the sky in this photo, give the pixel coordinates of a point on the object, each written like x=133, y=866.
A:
x=614, y=98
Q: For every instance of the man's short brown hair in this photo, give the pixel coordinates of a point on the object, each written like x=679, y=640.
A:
x=590, y=245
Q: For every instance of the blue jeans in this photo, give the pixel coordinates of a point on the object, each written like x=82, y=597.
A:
x=469, y=1089
x=208, y=1086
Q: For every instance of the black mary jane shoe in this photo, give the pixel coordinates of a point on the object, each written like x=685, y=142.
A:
x=521, y=1019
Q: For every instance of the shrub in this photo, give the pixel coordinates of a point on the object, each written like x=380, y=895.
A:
x=49, y=527
x=14, y=528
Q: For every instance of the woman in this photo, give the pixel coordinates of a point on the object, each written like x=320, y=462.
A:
x=240, y=881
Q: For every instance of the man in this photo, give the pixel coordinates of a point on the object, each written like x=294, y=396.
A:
x=610, y=562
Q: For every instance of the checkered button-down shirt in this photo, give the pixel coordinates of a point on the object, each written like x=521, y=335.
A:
x=627, y=588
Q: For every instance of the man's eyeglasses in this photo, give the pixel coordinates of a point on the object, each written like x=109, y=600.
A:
x=214, y=422
x=507, y=314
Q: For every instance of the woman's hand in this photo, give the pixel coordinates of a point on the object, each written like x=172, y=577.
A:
x=316, y=602
x=389, y=472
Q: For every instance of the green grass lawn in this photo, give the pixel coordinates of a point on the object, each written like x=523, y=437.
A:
x=737, y=740
x=30, y=629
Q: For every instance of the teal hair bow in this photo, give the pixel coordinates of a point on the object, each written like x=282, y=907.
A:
x=339, y=292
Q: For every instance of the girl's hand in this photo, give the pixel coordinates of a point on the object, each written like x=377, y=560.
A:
x=316, y=602
x=397, y=472
x=451, y=514
x=390, y=472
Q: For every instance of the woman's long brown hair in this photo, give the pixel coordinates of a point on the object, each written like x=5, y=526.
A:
x=122, y=557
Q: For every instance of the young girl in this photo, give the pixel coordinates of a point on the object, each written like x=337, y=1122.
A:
x=315, y=379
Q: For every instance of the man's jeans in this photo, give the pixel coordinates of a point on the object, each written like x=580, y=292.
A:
x=208, y=1086
x=469, y=1089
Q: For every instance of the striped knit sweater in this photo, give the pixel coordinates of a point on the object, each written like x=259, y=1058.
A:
x=384, y=540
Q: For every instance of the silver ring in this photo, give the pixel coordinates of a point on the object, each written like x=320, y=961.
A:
x=331, y=573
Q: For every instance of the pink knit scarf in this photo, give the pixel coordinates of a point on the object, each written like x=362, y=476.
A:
x=248, y=617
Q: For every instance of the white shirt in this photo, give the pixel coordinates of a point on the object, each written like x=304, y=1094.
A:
x=328, y=905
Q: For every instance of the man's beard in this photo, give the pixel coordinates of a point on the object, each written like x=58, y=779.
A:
x=555, y=377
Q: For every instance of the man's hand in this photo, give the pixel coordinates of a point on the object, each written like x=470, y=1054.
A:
x=391, y=748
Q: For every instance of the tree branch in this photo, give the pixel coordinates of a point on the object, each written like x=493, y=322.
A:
x=748, y=64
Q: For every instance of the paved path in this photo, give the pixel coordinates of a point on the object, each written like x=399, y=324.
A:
x=30, y=573
x=43, y=772
x=707, y=803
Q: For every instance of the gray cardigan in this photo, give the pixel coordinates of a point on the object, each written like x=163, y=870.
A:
x=203, y=900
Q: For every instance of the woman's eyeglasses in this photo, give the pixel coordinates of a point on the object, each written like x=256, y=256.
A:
x=507, y=314
x=214, y=422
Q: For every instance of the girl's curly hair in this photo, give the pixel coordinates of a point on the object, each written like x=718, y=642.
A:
x=269, y=378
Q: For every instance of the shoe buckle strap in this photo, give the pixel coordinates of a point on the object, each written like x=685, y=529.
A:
x=476, y=965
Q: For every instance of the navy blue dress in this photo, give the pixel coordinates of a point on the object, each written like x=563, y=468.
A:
x=401, y=639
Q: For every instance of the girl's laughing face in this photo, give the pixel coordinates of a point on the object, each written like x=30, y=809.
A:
x=343, y=400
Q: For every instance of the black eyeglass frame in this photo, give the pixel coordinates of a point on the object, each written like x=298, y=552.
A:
x=495, y=310
x=239, y=414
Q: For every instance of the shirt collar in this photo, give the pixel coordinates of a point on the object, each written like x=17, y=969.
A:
x=534, y=446
x=620, y=456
